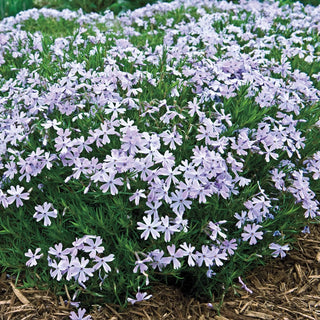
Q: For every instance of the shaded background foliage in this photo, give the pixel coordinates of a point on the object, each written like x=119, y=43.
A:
x=12, y=7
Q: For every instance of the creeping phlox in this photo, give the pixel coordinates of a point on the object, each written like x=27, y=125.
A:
x=194, y=123
x=66, y=262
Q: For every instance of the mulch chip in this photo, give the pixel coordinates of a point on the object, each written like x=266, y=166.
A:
x=284, y=289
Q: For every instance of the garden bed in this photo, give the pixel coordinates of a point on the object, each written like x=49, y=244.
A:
x=283, y=289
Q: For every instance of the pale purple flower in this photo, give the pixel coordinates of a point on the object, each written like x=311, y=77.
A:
x=217, y=255
x=132, y=141
x=3, y=199
x=11, y=170
x=279, y=250
x=170, y=173
x=277, y=178
x=179, y=202
x=204, y=256
x=52, y=123
x=111, y=183
x=154, y=206
x=17, y=195
x=82, y=144
x=251, y=233
x=306, y=230
x=241, y=218
x=258, y=207
x=188, y=251
x=80, y=270
x=140, y=296
x=313, y=165
x=57, y=269
x=66, y=266
x=269, y=151
x=114, y=108
x=33, y=257
x=137, y=195
x=188, y=188
x=210, y=273
x=63, y=143
x=243, y=285
x=216, y=230
x=149, y=227
x=93, y=247
x=78, y=245
x=174, y=255
x=167, y=229
x=58, y=251
x=80, y=315
x=141, y=264
x=206, y=132
x=167, y=159
x=194, y=107
x=171, y=138
x=102, y=262
x=229, y=246
x=44, y=212
x=158, y=259
x=82, y=166
x=199, y=175
x=242, y=144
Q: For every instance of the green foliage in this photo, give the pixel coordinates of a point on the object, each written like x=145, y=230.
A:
x=12, y=7
x=304, y=2
x=91, y=5
x=116, y=6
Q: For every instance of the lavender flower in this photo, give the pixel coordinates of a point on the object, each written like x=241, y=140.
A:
x=149, y=227
x=251, y=233
x=137, y=195
x=80, y=270
x=80, y=315
x=279, y=250
x=43, y=212
x=140, y=296
x=58, y=251
x=3, y=199
x=188, y=251
x=33, y=257
x=17, y=195
x=244, y=286
x=174, y=255
x=306, y=229
x=167, y=229
x=93, y=247
x=229, y=246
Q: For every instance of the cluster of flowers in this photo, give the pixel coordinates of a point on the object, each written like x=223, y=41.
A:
x=65, y=261
x=132, y=137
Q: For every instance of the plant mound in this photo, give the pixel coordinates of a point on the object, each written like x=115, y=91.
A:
x=176, y=143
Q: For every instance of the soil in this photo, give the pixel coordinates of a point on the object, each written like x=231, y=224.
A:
x=284, y=289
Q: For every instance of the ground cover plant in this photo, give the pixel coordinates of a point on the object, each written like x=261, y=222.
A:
x=117, y=6
x=176, y=143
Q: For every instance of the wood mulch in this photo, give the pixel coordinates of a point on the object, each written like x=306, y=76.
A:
x=282, y=290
